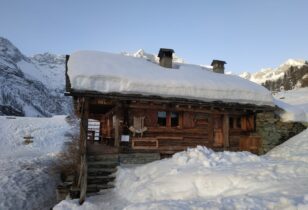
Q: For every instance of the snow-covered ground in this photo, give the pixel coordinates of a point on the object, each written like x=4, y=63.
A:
x=202, y=179
x=295, y=104
x=27, y=179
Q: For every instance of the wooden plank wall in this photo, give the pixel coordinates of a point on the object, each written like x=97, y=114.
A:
x=207, y=127
x=192, y=130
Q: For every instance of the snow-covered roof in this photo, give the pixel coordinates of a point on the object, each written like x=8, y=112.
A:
x=109, y=73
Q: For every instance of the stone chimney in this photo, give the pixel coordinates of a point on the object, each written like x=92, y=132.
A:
x=218, y=66
x=165, y=57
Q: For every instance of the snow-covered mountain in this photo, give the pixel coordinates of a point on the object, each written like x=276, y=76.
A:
x=31, y=86
x=151, y=57
x=292, y=73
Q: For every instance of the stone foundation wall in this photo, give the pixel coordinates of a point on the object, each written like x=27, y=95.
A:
x=273, y=131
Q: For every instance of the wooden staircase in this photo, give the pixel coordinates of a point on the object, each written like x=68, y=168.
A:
x=101, y=172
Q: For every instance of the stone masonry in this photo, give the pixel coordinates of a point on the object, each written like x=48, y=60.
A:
x=273, y=131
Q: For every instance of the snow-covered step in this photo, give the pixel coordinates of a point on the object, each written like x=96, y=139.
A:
x=107, y=157
x=138, y=158
x=101, y=171
x=92, y=188
x=100, y=179
x=102, y=164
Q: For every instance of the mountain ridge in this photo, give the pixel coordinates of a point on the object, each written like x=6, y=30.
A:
x=31, y=86
x=34, y=85
x=293, y=73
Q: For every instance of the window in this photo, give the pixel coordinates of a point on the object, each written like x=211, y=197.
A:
x=162, y=118
x=174, y=119
x=235, y=122
x=238, y=122
x=231, y=119
x=168, y=119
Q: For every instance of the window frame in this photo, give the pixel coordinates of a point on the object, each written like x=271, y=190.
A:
x=165, y=118
x=169, y=123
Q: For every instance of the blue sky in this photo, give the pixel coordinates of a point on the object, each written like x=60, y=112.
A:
x=248, y=35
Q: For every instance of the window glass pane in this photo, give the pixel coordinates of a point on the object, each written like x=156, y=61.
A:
x=174, y=119
x=161, y=118
x=231, y=122
x=239, y=122
x=162, y=114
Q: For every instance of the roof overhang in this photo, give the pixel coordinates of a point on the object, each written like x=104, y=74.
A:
x=140, y=97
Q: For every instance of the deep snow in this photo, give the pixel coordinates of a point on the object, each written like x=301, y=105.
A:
x=108, y=73
x=27, y=179
x=202, y=179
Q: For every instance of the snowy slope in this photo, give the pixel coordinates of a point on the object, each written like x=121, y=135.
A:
x=31, y=86
x=49, y=69
x=107, y=73
x=202, y=179
x=273, y=73
x=27, y=179
x=295, y=104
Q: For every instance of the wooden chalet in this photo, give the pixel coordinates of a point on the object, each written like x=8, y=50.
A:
x=142, y=123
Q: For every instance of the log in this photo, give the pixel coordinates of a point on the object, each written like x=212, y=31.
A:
x=82, y=181
x=116, y=131
x=225, y=130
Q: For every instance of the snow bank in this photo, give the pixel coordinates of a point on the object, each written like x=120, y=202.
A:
x=106, y=73
x=196, y=173
x=202, y=179
x=291, y=112
x=294, y=103
x=294, y=149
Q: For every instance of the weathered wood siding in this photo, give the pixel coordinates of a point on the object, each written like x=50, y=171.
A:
x=216, y=129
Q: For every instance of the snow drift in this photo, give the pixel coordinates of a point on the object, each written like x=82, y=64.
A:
x=202, y=179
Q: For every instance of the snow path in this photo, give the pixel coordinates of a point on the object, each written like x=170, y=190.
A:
x=27, y=181
x=201, y=179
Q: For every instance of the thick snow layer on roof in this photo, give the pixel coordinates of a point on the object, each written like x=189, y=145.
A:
x=107, y=73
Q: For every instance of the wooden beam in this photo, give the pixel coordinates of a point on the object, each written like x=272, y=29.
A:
x=67, y=79
x=101, y=101
x=111, y=111
x=182, y=109
x=82, y=182
x=125, y=114
x=152, y=98
x=211, y=129
x=116, y=131
x=225, y=129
